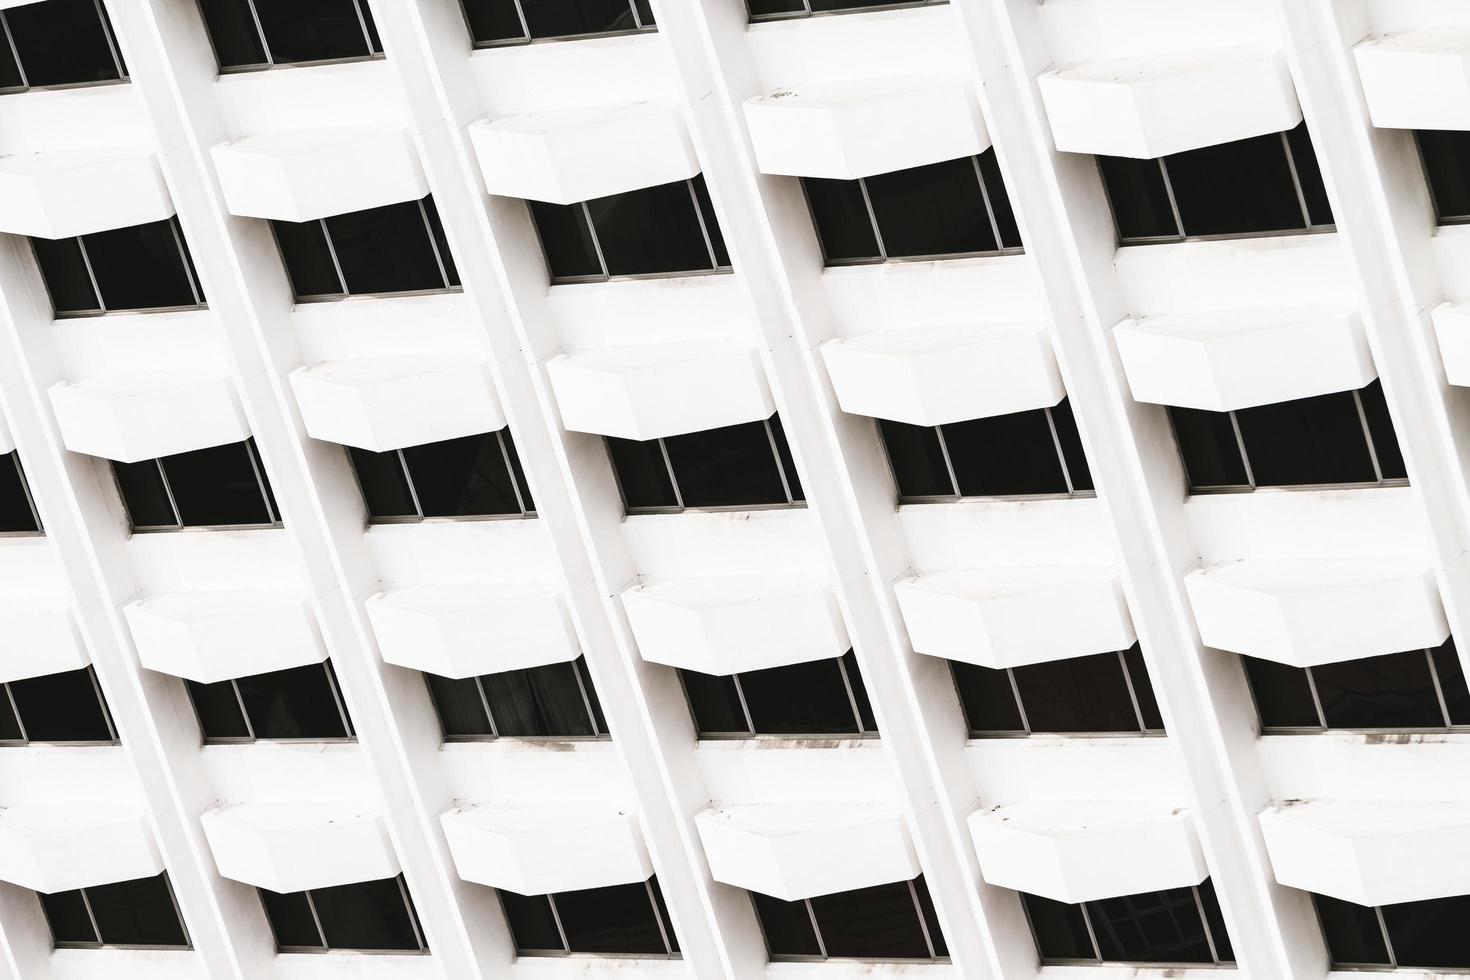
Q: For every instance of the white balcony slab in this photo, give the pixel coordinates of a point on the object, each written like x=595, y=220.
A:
x=1153, y=105
x=795, y=851
x=1452, y=329
x=861, y=127
x=1080, y=851
x=1011, y=616
x=211, y=636
x=1371, y=852
x=563, y=156
x=724, y=624
x=467, y=630
x=655, y=390
x=1302, y=612
x=305, y=174
x=7, y=4
x=951, y=373
x=64, y=193
x=55, y=848
x=287, y=847
x=1417, y=79
x=133, y=417
x=382, y=403
x=1231, y=359
x=538, y=849
x=40, y=636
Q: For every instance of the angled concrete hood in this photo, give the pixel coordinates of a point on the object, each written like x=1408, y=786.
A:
x=40, y=636
x=1417, y=79
x=64, y=193
x=132, y=417
x=216, y=635
x=54, y=848
x=287, y=847
x=541, y=848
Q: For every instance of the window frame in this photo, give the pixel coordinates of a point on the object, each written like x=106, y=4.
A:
x=1440, y=218
x=584, y=686
x=1449, y=728
x=25, y=739
x=262, y=483
x=505, y=452
x=25, y=485
x=413, y=918
x=857, y=715
x=528, y=39
x=823, y=956
x=1097, y=960
x=809, y=12
x=680, y=508
x=271, y=64
x=1393, y=962
x=665, y=928
x=251, y=738
x=87, y=903
x=192, y=274
x=107, y=30
x=974, y=734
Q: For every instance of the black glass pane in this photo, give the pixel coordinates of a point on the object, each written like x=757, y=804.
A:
x=917, y=460
x=66, y=912
x=217, y=487
x=1447, y=165
x=1309, y=174
x=15, y=503
x=599, y=720
x=931, y=917
x=374, y=41
x=1393, y=691
x=1000, y=201
x=826, y=6
x=218, y=709
x=566, y=239
x=799, y=699
x=1154, y=927
x=1307, y=441
x=294, y=703
x=1241, y=187
x=714, y=703
x=707, y=212
x=1059, y=928
x=1143, y=690
x=1452, y=682
x=10, y=77
x=465, y=477
x=936, y=209
x=841, y=216
x=9, y=723
x=290, y=918
x=1380, y=427
x=365, y=915
x=61, y=42
x=312, y=30
x=1084, y=694
x=1283, y=694
x=532, y=926
x=137, y=913
x=561, y=18
x=384, y=485
x=987, y=698
x=1224, y=950
x=644, y=9
x=1353, y=935
x=787, y=926
x=1208, y=446
x=1066, y=425
x=658, y=894
x=386, y=250
x=767, y=8
x=441, y=241
x=461, y=710
x=232, y=31
x=62, y=707
x=141, y=267
x=617, y=919
x=1429, y=934
x=65, y=273
x=788, y=463
x=517, y=470
x=144, y=494
x=652, y=230
x=1005, y=455
x=881, y=922
x=494, y=20
x=859, y=692
x=538, y=702
x=642, y=473
x=1139, y=198
x=308, y=258
x=732, y=466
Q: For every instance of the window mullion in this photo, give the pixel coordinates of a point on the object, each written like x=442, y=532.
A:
x=102, y=702
x=265, y=45
x=1056, y=441
x=1393, y=959
x=556, y=917
x=485, y=703
x=173, y=227
x=586, y=701
x=923, y=925
x=851, y=697
x=633, y=9
x=337, y=699
x=510, y=470
x=320, y=932
x=1444, y=707
x=408, y=910
x=92, y=918
x=525, y=24
x=663, y=929
x=367, y=39
x=985, y=197
x=240, y=700
x=1367, y=435
x=1091, y=933
x=1020, y=703
x=674, y=480
x=596, y=242
x=1245, y=459
x=709, y=246
x=1199, y=908
x=744, y=707
x=1296, y=181
x=257, y=466
x=954, y=481
x=776, y=457
x=1132, y=692
x=412, y=491
x=103, y=23
x=169, y=492
x=25, y=486
x=332, y=251
x=15, y=709
x=811, y=914
x=1173, y=203
x=434, y=241
x=872, y=217
x=10, y=40
x=1316, y=699
x=91, y=276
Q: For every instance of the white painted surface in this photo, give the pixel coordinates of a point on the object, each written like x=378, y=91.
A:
x=71, y=192
x=217, y=635
x=133, y=417
x=539, y=849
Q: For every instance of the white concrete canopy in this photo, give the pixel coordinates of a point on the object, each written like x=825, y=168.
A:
x=1229, y=359
x=1152, y=105
x=1082, y=850
x=1302, y=611
x=1417, y=79
x=866, y=126
x=210, y=636
x=562, y=156
x=541, y=848
x=1372, y=852
x=55, y=848
x=382, y=403
x=941, y=374
x=1009, y=616
x=40, y=636
x=64, y=193
x=133, y=417
x=305, y=174
x=1452, y=329
x=724, y=624
x=7, y=4
x=287, y=847
x=467, y=630
x=792, y=851
x=653, y=390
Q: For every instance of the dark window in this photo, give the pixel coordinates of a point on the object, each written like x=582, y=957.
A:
x=1106, y=693
x=17, y=510
x=823, y=697
x=1178, y=925
x=222, y=486
x=783, y=9
x=1032, y=453
x=1342, y=438
x=496, y=22
x=145, y=267
x=264, y=33
x=1427, y=935
x=958, y=207
x=141, y=912
x=1421, y=689
x=1252, y=186
x=368, y=916
x=552, y=701
x=1446, y=157
x=397, y=248
x=670, y=229
x=895, y=921
x=745, y=465
x=302, y=703
x=472, y=476
x=58, y=42
x=63, y=707
x=620, y=919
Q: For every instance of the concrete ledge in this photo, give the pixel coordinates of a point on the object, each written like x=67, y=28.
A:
x=56, y=848
x=217, y=635
x=40, y=636
x=1417, y=79
x=132, y=417
x=64, y=193
x=542, y=848
x=287, y=847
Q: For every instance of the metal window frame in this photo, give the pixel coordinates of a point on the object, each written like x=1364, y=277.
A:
x=824, y=957
x=347, y=293
x=102, y=309
x=526, y=37
x=598, y=732
x=679, y=507
x=257, y=465
x=26, y=740
x=418, y=517
x=270, y=64
x=665, y=928
x=808, y=12
x=100, y=944
x=860, y=729
x=1146, y=965
x=1393, y=962
x=107, y=33
x=1026, y=731
x=326, y=948
x=1448, y=728
x=25, y=485
x=250, y=738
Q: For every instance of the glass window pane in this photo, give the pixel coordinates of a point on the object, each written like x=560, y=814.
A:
x=65, y=273
x=931, y=917
x=308, y=258
x=458, y=703
x=1392, y=691
x=1059, y=928
x=1143, y=690
x=732, y=466
x=799, y=699
x=714, y=704
x=1066, y=425
x=658, y=896
x=1154, y=927
x=217, y=487
x=294, y=703
x=881, y=922
x=137, y=913
x=1452, y=682
x=1083, y=694
x=61, y=42
x=567, y=240
x=1000, y=202
x=917, y=460
x=651, y=230
x=1309, y=174
x=144, y=494
x=987, y=698
x=561, y=18
x=15, y=503
x=617, y=919
x=1354, y=937
x=10, y=76
x=766, y=8
x=538, y=702
x=1380, y=427
x=1429, y=934
x=66, y=912
x=1209, y=449
x=1307, y=441
x=1236, y=188
x=642, y=473
x=374, y=41
x=494, y=20
x=1005, y=455
x=1224, y=950
x=465, y=477
x=141, y=267
x=1283, y=694
x=232, y=32
x=218, y=709
x=312, y=30
x=936, y=209
x=841, y=217
x=531, y=923
x=1140, y=200
x=291, y=919
x=707, y=210
x=787, y=926
x=62, y=707
x=365, y=915
x=383, y=483
x=1447, y=165
x=385, y=250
